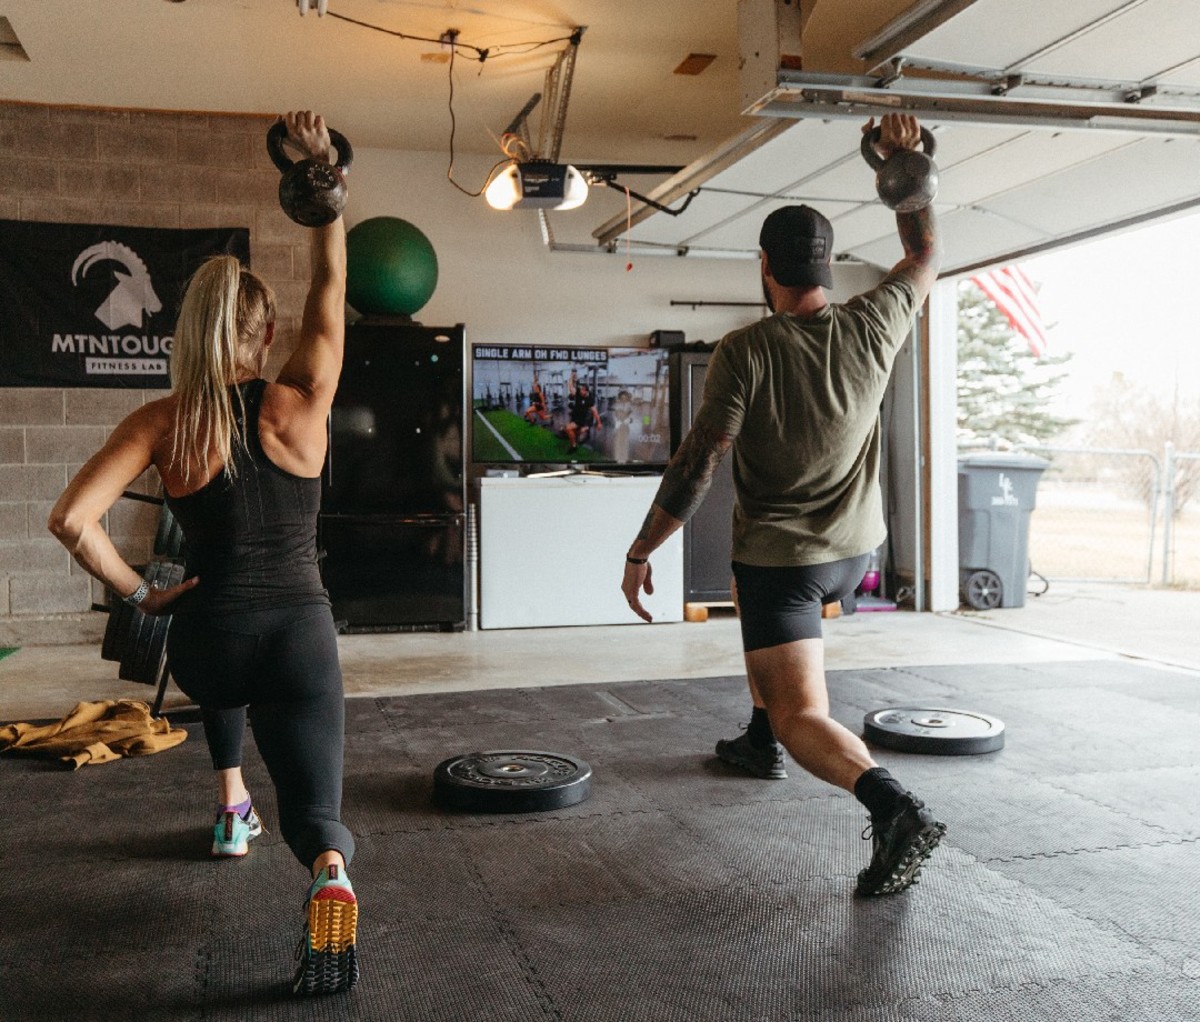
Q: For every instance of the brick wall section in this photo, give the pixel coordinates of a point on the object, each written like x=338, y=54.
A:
x=128, y=168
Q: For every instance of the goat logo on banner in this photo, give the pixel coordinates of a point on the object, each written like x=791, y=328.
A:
x=94, y=305
x=133, y=297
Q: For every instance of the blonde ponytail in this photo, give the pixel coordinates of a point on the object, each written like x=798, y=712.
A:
x=218, y=338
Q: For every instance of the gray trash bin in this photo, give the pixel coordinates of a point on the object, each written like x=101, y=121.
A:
x=996, y=493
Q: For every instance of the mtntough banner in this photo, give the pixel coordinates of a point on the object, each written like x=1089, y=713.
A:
x=83, y=305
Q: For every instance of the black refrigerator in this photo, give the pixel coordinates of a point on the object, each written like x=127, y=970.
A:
x=392, y=529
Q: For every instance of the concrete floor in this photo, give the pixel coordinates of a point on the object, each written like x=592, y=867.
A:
x=1076, y=622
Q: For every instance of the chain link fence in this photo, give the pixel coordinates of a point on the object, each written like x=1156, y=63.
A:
x=1097, y=515
x=1181, y=519
x=1113, y=515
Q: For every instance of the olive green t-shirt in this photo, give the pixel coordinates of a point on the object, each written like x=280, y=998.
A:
x=801, y=398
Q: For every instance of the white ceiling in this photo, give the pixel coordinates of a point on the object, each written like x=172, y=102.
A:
x=260, y=56
x=1018, y=173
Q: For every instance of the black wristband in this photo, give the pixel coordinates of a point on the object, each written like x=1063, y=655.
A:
x=635, y=560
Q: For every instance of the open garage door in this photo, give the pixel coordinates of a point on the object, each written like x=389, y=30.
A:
x=1054, y=123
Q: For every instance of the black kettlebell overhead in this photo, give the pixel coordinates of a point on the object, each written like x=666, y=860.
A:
x=908, y=179
x=311, y=192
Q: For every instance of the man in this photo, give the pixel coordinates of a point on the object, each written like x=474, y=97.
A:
x=583, y=415
x=797, y=397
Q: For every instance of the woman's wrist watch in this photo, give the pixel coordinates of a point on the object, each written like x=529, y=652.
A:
x=139, y=594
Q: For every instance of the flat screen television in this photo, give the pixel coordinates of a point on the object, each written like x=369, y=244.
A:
x=570, y=405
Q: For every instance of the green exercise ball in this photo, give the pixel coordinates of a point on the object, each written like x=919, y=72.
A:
x=391, y=267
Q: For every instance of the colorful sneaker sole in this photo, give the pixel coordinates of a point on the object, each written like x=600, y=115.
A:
x=908, y=869
x=329, y=958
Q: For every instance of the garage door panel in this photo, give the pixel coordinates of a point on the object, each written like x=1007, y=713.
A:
x=1151, y=175
x=1022, y=159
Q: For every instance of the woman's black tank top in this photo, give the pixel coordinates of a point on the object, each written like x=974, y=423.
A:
x=252, y=539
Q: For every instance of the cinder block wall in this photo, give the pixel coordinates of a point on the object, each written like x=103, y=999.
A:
x=134, y=169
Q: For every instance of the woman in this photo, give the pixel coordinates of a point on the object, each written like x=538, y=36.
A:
x=240, y=460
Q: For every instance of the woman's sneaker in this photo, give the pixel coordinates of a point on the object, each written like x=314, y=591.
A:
x=765, y=762
x=901, y=844
x=233, y=833
x=327, y=956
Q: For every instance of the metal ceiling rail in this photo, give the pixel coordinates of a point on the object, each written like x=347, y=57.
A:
x=801, y=93
x=915, y=23
x=694, y=175
x=780, y=193
x=1007, y=82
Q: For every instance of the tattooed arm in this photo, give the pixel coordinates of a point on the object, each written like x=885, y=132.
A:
x=684, y=484
x=922, y=250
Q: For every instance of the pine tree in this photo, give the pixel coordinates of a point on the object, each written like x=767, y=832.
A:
x=1003, y=388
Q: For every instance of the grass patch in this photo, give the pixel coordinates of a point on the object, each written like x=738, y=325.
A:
x=7, y=651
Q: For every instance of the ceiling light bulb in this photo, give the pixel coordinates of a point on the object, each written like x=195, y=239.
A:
x=577, y=189
x=505, y=189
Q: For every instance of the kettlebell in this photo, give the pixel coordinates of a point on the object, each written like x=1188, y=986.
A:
x=311, y=192
x=908, y=179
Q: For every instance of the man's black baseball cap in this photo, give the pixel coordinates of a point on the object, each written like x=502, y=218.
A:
x=798, y=242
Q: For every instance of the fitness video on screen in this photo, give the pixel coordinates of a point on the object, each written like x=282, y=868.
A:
x=604, y=406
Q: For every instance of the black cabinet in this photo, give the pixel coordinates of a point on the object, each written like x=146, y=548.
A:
x=392, y=529
x=391, y=572
x=707, y=536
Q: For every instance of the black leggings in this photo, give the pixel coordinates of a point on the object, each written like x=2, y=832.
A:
x=283, y=665
x=779, y=605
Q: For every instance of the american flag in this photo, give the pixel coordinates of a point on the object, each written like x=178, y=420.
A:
x=1015, y=296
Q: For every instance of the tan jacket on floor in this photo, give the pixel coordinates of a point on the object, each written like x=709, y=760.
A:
x=94, y=733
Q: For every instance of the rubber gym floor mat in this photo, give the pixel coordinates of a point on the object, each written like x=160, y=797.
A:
x=809, y=947
x=1164, y=797
x=1067, y=886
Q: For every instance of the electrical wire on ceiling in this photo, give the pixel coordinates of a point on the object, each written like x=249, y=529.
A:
x=514, y=147
x=453, y=127
x=449, y=39
x=470, y=51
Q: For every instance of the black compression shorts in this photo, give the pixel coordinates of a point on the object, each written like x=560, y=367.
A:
x=778, y=605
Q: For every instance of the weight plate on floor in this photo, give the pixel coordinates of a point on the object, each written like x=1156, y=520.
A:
x=938, y=732
x=511, y=782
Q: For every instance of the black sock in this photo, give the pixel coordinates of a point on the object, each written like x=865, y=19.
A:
x=758, y=731
x=878, y=791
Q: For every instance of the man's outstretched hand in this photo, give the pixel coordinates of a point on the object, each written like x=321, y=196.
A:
x=637, y=578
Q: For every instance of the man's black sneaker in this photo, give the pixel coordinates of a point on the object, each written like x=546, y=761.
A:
x=765, y=762
x=901, y=845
